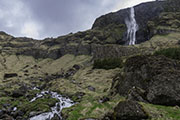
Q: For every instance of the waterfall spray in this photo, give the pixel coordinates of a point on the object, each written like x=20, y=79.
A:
x=132, y=27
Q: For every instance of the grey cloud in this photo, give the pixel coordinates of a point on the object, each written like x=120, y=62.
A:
x=65, y=16
x=52, y=18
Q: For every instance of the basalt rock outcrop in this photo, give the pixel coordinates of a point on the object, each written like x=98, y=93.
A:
x=144, y=13
x=154, y=79
x=128, y=110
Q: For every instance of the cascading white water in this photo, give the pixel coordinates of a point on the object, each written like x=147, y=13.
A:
x=63, y=103
x=132, y=27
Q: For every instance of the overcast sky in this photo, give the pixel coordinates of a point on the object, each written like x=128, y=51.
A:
x=51, y=18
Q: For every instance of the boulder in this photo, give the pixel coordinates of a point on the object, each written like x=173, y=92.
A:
x=17, y=93
x=20, y=92
x=156, y=79
x=128, y=110
x=56, y=117
x=10, y=75
x=91, y=88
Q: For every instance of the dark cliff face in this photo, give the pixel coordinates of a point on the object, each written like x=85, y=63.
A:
x=143, y=13
x=156, y=78
x=106, y=36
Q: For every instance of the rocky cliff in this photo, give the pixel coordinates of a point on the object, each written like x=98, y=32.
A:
x=143, y=84
x=143, y=13
x=107, y=34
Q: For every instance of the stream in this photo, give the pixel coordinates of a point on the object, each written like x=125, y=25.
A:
x=64, y=102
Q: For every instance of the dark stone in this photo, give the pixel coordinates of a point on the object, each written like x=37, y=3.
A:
x=19, y=118
x=77, y=67
x=10, y=75
x=20, y=113
x=6, y=117
x=91, y=88
x=26, y=71
x=1, y=113
x=129, y=110
x=20, y=92
x=56, y=117
x=17, y=93
x=26, y=74
x=156, y=79
x=79, y=95
x=70, y=72
x=9, y=110
x=104, y=99
x=6, y=105
x=89, y=119
x=14, y=114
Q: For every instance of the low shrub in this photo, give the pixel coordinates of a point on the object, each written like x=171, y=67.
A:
x=109, y=63
x=173, y=53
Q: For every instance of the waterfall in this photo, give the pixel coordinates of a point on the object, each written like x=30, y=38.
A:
x=132, y=27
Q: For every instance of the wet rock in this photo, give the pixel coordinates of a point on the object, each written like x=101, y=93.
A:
x=89, y=119
x=10, y=75
x=56, y=117
x=6, y=117
x=1, y=112
x=19, y=118
x=156, y=77
x=34, y=113
x=20, y=113
x=91, y=88
x=129, y=110
x=14, y=114
x=58, y=106
x=9, y=110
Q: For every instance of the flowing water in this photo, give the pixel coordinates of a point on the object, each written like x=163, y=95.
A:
x=63, y=103
x=132, y=27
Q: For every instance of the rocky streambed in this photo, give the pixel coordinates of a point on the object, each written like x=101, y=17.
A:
x=34, y=104
x=63, y=102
